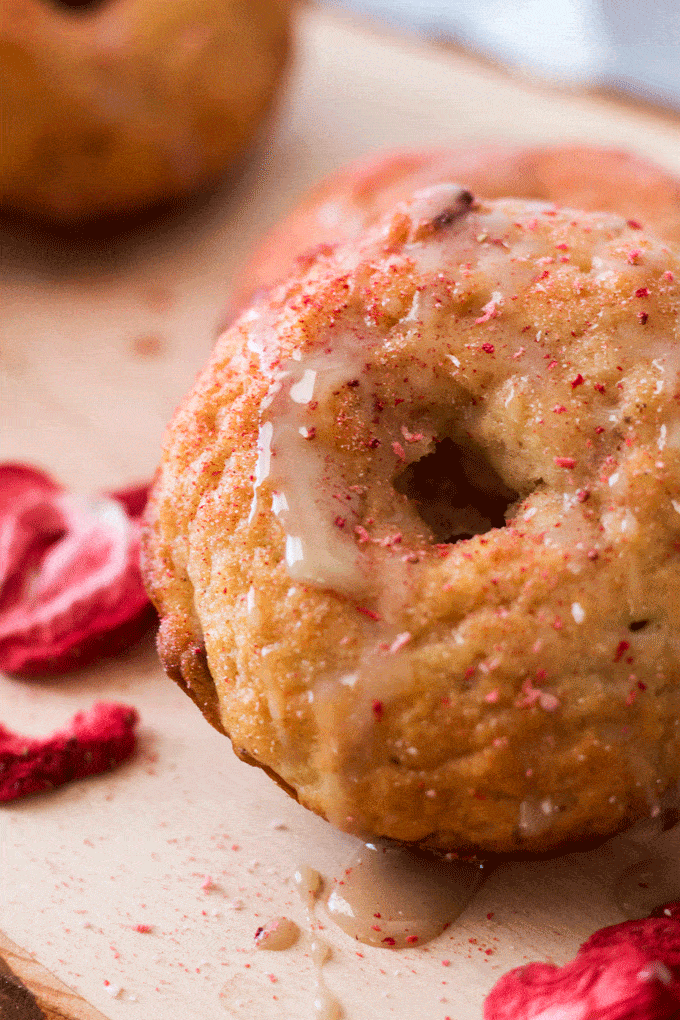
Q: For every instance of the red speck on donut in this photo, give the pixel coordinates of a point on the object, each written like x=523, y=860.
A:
x=578, y=381
x=70, y=582
x=377, y=707
x=634, y=224
x=564, y=462
x=642, y=317
x=370, y=613
x=93, y=742
x=642, y=292
x=622, y=647
x=488, y=348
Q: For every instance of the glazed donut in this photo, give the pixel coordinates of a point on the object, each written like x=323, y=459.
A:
x=415, y=536
x=112, y=105
x=344, y=204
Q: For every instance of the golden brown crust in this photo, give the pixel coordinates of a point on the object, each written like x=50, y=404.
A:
x=132, y=102
x=515, y=691
x=580, y=176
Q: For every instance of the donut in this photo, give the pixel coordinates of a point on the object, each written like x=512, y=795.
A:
x=115, y=105
x=345, y=203
x=415, y=535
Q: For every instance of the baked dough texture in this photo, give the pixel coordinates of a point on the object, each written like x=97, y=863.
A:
x=415, y=536
x=115, y=105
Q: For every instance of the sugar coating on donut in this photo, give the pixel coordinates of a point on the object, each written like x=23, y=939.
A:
x=415, y=535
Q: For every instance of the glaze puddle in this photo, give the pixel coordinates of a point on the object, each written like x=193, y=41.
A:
x=278, y=934
x=393, y=897
x=326, y=1005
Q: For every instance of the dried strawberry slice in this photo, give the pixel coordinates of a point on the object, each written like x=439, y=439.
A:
x=70, y=583
x=630, y=971
x=93, y=742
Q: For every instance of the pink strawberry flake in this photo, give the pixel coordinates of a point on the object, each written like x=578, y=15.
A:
x=489, y=311
x=93, y=742
x=70, y=582
x=630, y=971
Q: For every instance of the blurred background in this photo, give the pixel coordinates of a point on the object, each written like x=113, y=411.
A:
x=623, y=45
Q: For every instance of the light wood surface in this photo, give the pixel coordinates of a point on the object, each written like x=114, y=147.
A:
x=52, y=996
x=98, y=343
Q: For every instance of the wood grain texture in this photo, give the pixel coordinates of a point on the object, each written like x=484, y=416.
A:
x=54, y=999
x=98, y=343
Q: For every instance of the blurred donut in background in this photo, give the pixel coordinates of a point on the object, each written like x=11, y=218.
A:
x=110, y=106
x=341, y=206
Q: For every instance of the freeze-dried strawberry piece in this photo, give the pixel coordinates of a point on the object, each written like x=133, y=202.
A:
x=630, y=971
x=93, y=742
x=70, y=583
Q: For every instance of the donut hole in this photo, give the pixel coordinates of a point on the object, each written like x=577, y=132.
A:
x=456, y=491
x=638, y=625
x=78, y=5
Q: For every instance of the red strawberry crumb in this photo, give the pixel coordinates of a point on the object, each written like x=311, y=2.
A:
x=70, y=581
x=389, y=941
x=340, y=522
x=370, y=613
x=143, y=929
x=411, y=437
x=398, y=449
x=378, y=708
x=634, y=224
x=93, y=742
x=578, y=381
x=488, y=348
x=564, y=462
x=642, y=292
x=630, y=971
x=622, y=647
x=642, y=317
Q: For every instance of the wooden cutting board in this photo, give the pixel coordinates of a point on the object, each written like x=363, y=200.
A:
x=29, y=992
x=151, y=881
